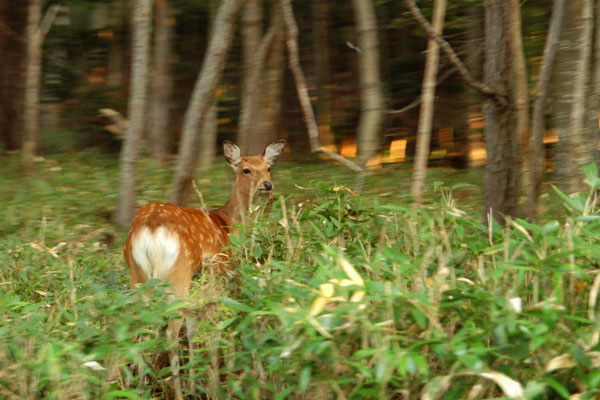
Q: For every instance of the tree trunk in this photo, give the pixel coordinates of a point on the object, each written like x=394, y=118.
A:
x=322, y=71
x=142, y=14
x=541, y=94
x=32, y=84
x=575, y=148
x=521, y=104
x=14, y=15
x=584, y=148
x=593, y=109
x=270, y=100
x=251, y=37
x=202, y=98
x=162, y=83
x=208, y=138
x=473, y=138
x=371, y=94
x=502, y=168
x=115, y=76
x=427, y=103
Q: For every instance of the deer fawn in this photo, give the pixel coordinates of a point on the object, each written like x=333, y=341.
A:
x=171, y=242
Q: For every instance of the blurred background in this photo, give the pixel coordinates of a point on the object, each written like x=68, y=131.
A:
x=68, y=83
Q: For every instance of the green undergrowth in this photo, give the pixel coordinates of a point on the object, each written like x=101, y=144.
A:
x=332, y=295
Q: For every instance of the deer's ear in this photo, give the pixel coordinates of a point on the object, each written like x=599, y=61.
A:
x=273, y=151
x=232, y=154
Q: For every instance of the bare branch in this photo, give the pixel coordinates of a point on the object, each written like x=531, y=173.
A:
x=49, y=19
x=417, y=99
x=496, y=96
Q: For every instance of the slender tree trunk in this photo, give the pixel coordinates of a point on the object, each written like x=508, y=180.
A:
x=521, y=104
x=584, y=149
x=474, y=63
x=14, y=15
x=574, y=149
x=162, y=83
x=372, y=112
x=208, y=137
x=251, y=37
x=251, y=106
x=541, y=94
x=502, y=168
x=119, y=12
x=322, y=71
x=594, y=95
x=427, y=103
x=142, y=14
x=202, y=97
x=270, y=100
x=32, y=84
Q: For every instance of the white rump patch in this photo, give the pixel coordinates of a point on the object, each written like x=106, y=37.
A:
x=155, y=252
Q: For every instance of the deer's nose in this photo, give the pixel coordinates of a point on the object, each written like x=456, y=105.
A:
x=268, y=185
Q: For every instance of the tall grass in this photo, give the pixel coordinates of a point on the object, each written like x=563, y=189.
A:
x=333, y=295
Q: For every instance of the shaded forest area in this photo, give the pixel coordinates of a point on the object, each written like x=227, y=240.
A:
x=363, y=69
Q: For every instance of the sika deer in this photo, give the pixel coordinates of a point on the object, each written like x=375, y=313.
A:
x=171, y=242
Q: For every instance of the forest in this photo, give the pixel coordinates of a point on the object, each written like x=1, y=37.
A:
x=412, y=211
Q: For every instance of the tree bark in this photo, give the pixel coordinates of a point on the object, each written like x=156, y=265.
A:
x=583, y=146
x=162, y=83
x=251, y=39
x=142, y=14
x=474, y=48
x=371, y=94
x=202, y=98
x=575, y=148
x=541, y=94
x=115, y=75
x=502, y=168
x=427, y=103
x=251, y=100
x=521, y=105
x=209, y=130
x=208, y=138
x=269, y=114
x=593, y=109
x=32, y=84
x=322, y=71
x=13, y=14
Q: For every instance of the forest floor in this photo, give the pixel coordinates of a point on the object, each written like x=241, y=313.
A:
x=333, y=294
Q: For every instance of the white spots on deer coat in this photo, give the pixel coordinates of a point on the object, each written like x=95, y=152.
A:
x=155, y=252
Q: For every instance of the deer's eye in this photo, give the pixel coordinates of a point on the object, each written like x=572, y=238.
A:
x=246, y=171
x=269, y=169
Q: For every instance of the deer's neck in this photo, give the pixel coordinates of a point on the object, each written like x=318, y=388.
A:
x=238, y=205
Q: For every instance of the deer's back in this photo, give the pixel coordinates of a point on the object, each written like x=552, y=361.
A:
x=163, y=235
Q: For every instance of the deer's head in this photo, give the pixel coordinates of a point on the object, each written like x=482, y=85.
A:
x=253, y=173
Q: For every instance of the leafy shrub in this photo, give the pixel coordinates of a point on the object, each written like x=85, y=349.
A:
x=333, y=296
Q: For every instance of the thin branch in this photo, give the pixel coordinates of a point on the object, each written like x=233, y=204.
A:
x=417, y=99
x=496, y=96
x=309, y=115
x=49, y=19
x=407, y=107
